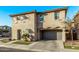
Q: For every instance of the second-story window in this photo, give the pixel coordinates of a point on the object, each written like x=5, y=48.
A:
x=24, y=17
x=41, y=18
x=18, y=18
x=56, y=15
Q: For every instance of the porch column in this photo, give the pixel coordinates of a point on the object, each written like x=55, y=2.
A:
x=78, y=34
x=63, y=35
x=38, y=34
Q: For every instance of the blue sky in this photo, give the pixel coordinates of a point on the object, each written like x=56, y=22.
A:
x=5, y=11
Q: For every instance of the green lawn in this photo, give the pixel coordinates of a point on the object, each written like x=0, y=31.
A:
x=5, y=40
x=72, y=47
x=22, y=42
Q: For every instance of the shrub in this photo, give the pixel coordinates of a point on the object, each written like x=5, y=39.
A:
x=26, y=37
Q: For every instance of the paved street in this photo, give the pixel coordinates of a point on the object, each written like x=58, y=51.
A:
x=4, y=49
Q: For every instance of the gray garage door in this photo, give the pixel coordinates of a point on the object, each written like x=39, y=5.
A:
x=51, y=35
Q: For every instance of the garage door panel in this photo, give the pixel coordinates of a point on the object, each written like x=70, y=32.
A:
x=50, y=35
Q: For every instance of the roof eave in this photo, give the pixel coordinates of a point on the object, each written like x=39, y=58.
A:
x=22, y=13
x=56, y=10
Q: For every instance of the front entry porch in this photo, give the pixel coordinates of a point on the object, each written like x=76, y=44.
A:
x=19, y=34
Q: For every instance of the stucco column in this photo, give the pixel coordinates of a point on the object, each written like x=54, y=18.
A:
x=38, y=35
x=78, y=34
x=63, y=35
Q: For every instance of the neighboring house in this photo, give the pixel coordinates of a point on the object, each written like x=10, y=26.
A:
x=5, y=31
x=76, y=24
x=41, y=25
x=70, y=31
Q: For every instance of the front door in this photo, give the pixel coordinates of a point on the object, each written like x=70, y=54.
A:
x=19, y=34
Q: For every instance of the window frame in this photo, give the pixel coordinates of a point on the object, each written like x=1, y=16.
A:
x=56, y=15
x=18, y=18
x=41, y=18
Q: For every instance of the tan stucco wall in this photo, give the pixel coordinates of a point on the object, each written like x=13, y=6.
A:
x=23, y=25
x=49, y=20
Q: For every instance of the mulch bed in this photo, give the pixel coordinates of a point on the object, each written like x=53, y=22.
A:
x=74, y=42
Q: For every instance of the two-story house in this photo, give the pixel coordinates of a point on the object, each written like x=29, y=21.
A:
x=48, y=25
x=76, y=25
